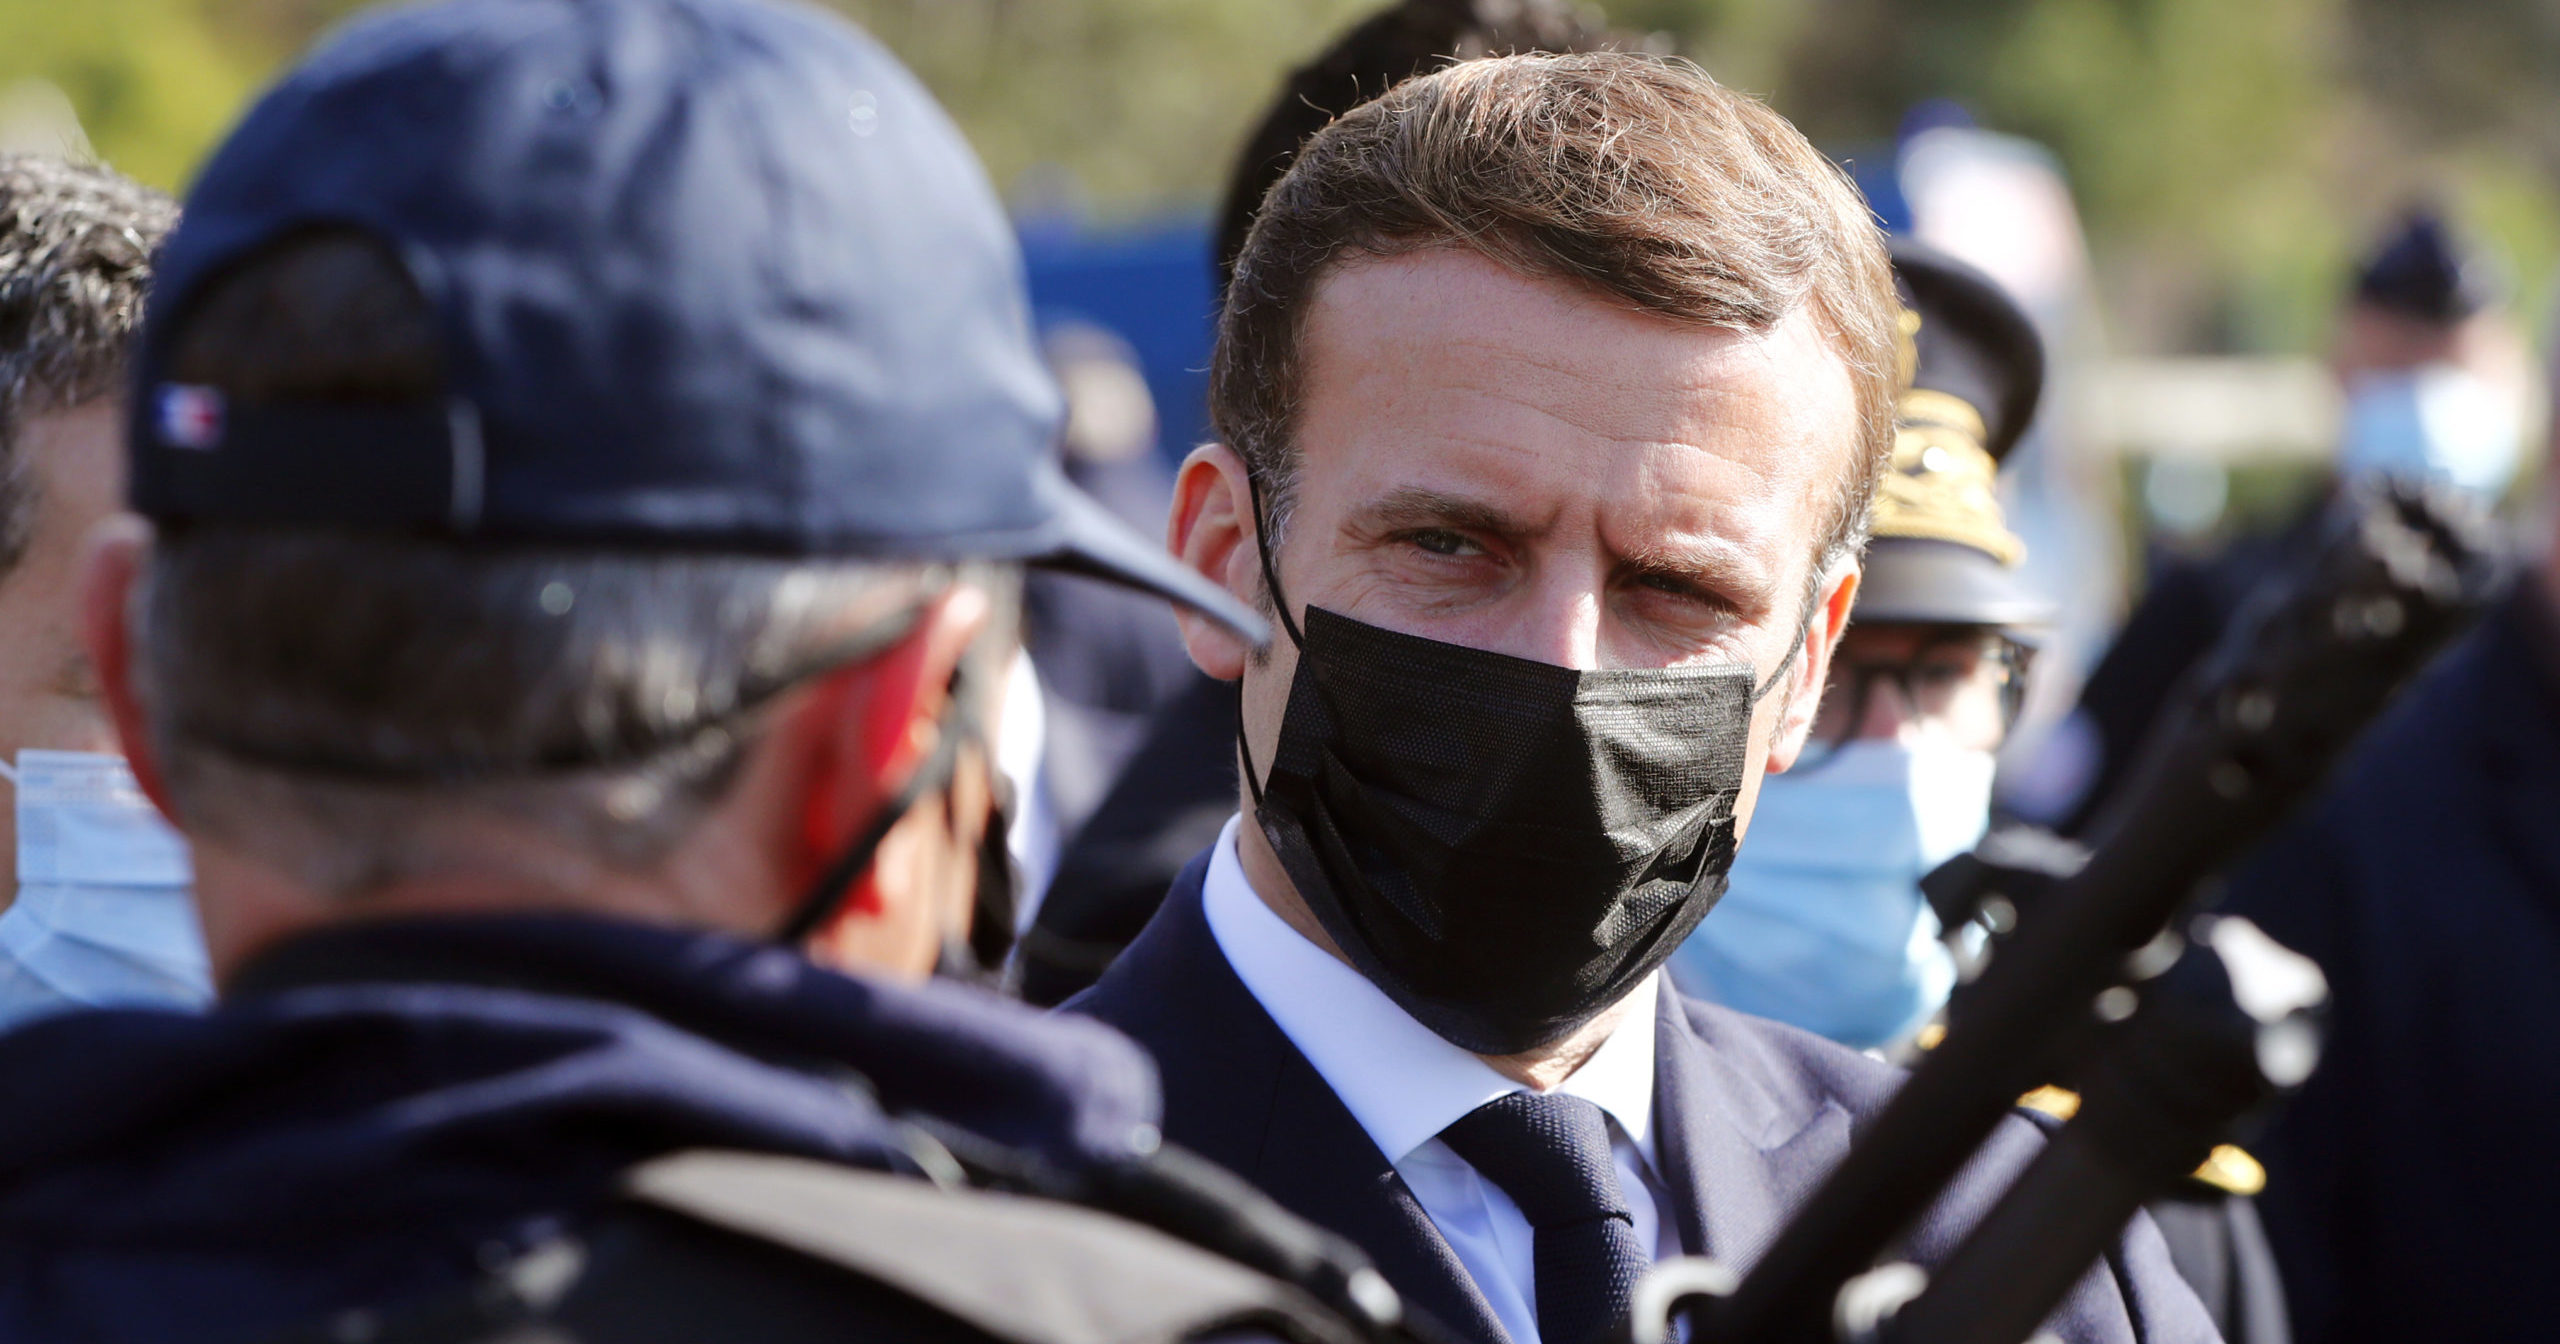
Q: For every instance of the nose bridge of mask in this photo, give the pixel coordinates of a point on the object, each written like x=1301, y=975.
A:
x=1918, y=801
x=83, y=821
x=1484, y=743
x=1855, y=810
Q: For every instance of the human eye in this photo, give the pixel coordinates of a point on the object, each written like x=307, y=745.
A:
x=1672, y=585
x=1685, y=616
x=1687, y=601
x=1442, y=541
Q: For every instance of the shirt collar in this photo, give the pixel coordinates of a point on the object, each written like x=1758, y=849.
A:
x=1399, y=1079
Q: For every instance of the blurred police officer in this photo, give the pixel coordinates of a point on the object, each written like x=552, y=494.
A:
x=93, y=886
x=590, y=447
x=1824, y=925
x=2410, y=1185
x=2433, y=379
x=1552, y=392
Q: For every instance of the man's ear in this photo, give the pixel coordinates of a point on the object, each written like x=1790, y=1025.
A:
x=117, y=550
x=1213, y=530
x=1812, y=670
x=851, y=743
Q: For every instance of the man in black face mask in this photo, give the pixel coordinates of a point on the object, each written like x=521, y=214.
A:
x=1552, y=391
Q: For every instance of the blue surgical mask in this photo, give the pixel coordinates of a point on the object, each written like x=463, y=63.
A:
x=104, y=914
x=1823, y=926
x=2434, y=422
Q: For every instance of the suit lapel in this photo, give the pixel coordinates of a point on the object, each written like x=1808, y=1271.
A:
x=1736, y=1152
x=1240, y=1094
x=1319, y=1162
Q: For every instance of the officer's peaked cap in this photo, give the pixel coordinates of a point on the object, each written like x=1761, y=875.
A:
x=1942, y=551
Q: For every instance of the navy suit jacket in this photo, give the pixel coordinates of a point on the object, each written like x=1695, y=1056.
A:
x=1750, y=1115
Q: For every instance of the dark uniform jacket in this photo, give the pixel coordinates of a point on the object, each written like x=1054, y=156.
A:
x=383, y=1113
x=1752, y=1116
x=2412, y=1186
x=1173, y=798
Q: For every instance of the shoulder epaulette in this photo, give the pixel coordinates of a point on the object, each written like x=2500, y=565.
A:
x=2228, y=1168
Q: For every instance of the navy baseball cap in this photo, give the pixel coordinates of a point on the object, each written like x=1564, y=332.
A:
x=711, y=275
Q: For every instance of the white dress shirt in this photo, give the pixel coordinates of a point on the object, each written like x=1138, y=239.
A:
x=1031, y=835
x=1404, y=1084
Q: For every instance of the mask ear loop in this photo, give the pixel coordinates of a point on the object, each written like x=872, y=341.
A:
x=1803, y=627
x=1280, y=605
x=827, y=895
x=1270, y=576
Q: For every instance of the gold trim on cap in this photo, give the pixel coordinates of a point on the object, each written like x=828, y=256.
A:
x=1929, y=406
x=1941, y=484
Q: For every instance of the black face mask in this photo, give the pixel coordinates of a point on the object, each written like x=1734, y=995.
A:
x=1504, y=847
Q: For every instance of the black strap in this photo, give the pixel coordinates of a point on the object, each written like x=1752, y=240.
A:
x=413, y=465
x=827, y=894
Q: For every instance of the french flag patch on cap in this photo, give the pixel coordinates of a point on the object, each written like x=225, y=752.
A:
x=190, y=417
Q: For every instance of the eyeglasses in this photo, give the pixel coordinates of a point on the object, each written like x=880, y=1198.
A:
x=1968, y=682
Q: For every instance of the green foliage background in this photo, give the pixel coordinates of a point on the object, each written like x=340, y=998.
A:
x=2229, y=157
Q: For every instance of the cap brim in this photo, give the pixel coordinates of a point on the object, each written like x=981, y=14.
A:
x=1920, y=581
x=1097, y=544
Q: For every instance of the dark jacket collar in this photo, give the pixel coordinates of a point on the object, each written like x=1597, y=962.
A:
x=477, y=1069
x=1740, y=1133
x=941, y=1049
x=1738, y=1145
x=1238, y=1093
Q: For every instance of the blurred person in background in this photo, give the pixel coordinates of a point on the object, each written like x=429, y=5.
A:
x=1096, y=661
x=2435, y=383
x=2432, y=367
x=2410, y=1186
x=568, y=627
x=1178, y=786
x=1553, y=459
x=1824, y=925
x=93, y=883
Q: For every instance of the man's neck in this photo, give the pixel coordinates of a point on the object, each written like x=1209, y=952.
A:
x=1542, y=1069
x=248, y=906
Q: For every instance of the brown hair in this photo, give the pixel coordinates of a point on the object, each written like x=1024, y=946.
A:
x=1634, y=174
x=75, y=257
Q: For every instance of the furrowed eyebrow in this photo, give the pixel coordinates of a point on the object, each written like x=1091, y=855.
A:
x=1710, y=572
x=1713, y=572
x=1414, y=506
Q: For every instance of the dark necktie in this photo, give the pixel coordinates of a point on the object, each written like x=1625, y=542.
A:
x=1550, y=1153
